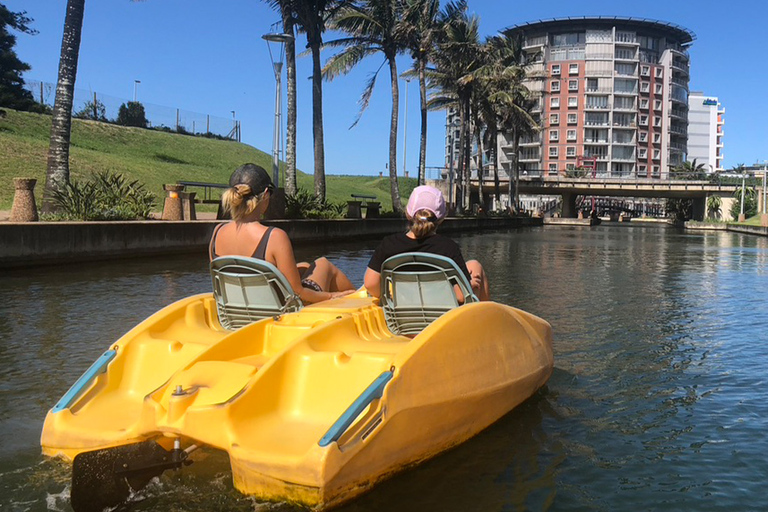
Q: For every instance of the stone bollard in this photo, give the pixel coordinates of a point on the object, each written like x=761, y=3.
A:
x=172, y=209
x=24, y=208
x=188, y=205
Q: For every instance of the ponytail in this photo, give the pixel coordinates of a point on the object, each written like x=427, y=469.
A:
x=240, y=201
x=423, y=223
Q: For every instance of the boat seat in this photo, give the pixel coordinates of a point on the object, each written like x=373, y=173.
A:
x=417, y=288
x=247, y=290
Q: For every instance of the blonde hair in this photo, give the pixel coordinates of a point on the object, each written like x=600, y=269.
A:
x=423, y=223
x=240, y=201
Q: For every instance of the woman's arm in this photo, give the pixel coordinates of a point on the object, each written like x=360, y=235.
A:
x=280, y=253
x=372, y=282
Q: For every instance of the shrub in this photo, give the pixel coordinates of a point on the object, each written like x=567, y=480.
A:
x=304, y=205
x=750, y=203
x=132, y=114
x=94, y=110
x=106, y=196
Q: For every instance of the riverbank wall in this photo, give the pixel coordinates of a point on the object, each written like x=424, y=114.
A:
x=49, y=243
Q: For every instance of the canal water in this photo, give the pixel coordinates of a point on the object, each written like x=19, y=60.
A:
x=658, y=400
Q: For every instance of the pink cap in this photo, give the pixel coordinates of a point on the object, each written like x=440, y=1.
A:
x=426, y=198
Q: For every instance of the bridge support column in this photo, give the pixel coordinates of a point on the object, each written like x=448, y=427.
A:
x=699, y=210
x=569, y=206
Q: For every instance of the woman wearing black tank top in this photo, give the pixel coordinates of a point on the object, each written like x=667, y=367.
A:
x=247, y=200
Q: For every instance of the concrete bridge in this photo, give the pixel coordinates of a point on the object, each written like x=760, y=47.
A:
x=569, y=188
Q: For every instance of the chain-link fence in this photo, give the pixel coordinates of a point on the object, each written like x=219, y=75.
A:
x=103, y=107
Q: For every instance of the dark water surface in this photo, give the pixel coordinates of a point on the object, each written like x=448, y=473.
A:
x=658, y=400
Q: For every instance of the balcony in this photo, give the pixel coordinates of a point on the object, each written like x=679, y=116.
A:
x=626, y=38
x=678, y=113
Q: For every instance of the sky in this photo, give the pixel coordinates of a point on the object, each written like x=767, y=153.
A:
x=209, y=57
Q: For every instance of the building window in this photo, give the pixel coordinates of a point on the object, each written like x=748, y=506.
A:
x=553, y=151
x=656, y=138
x=642, y=153
x=570, y=167
x=592, y=85
x=573, y=85
x=645, y=71
x=570, y=151
x=554, y=118
x=655, y=170
x=555, y=69
x=643, y=120
x=656, y=104
x=554, y=102
x=552, y=168
x=642, y=170
x=573, y=69
x=656, y=154
x=658, y=89
x=570, y=134
x=554, y=86
x=573, y=102
x=554, y=135
x=644, y=103
x=645, y=87
x=572, y=118
x=657, y=122
x=643, y=136
x=659, y=72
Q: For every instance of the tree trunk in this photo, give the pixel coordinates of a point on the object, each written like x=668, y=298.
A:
x=57, y=174
x=479, y=136
x=393, y=187
x=423, y=143
x=496, y=184
x=516, y=171
x=291, y=184
x=459, y=199
x=317, y=116
x=467, y=155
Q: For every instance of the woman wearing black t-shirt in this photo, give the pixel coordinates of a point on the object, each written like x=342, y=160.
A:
x=425, y=211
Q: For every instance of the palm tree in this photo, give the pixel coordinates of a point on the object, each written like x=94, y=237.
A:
x=57, y=174
x=457, y=56
x=420, y=29
x=373, y=26
x=690, y=171
x=312, y=17
x=286, y=10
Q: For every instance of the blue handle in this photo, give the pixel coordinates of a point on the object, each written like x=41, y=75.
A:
x=99, y=366
x=371, y=393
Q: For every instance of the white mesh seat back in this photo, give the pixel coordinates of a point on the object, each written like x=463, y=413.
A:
x=247, y=290
x=417, y=288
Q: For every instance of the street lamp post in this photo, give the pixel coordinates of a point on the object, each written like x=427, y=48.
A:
x=405, y=127
x=451, y=126
x=742, y=218
x=135, y=89
x=277, y=64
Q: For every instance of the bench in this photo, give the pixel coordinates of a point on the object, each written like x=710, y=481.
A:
x=207, y=198
x=354, y=207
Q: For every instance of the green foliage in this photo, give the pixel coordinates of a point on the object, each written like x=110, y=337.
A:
x=106, y=196
x=714, y=208
x=132, y=114
x=12, y=92
x=94, y=110
x=750, y=203
x=305, y=205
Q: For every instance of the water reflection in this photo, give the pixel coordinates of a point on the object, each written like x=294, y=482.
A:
x=658, y=400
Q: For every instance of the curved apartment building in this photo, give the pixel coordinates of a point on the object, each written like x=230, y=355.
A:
x=612, y=96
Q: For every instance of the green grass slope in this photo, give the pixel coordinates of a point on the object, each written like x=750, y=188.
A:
x=152, y=157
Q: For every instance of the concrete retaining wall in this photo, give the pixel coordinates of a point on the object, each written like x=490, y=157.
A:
x=41, y=243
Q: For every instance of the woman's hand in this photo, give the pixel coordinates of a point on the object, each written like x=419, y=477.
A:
x=336, y=295
x=475, y=281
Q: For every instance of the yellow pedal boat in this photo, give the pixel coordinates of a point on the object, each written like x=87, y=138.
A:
x=314, y=404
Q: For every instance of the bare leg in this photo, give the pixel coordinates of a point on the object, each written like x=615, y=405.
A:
x=328, y=276
x=483, y=290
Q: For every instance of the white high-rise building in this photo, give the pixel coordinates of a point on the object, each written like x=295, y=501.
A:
x=705, y=131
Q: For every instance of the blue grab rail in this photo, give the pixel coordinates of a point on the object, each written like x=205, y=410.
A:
x=99, y=366
x=372, y=392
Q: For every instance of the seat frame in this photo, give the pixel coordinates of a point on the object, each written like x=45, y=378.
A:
x=248, y=290
x=417, y=288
